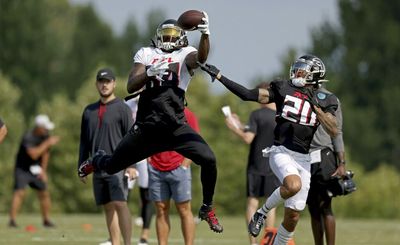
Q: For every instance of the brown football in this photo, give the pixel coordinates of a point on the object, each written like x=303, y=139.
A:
x=189, y=20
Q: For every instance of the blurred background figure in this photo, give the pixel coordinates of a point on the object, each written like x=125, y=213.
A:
x=259, y=134
x=328, y=162
x=146, y=206
x=170, y=177
x=104, y=123
x=31, y=168
x=3, y=130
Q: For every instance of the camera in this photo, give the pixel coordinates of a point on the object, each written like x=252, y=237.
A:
x=341, y=186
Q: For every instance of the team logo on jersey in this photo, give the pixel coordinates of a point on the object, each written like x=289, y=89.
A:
x=321, y=96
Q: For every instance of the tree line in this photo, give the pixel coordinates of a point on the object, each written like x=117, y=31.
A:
x=50, y=51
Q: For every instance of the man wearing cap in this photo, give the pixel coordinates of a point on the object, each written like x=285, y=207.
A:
x=104, y=123
x=31, y=168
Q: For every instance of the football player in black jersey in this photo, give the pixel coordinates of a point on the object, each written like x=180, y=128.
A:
x=300, y=110
x=161, y=74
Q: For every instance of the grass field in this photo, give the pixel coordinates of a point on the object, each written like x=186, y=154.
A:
x=90, y=229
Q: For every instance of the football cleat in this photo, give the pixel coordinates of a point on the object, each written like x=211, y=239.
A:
x=208, y=214
x=256, y=223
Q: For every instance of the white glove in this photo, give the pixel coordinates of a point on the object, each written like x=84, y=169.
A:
x=204, y=28
x=158, y=69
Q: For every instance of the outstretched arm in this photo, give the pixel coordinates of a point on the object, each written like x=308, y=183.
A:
x=204, y=45
x=137, y=78
x=258, y=94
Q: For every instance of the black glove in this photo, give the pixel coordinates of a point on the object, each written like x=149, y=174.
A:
x=210, y=69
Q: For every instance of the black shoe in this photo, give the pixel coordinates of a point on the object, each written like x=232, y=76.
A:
x=143, y=241
x=48, y=224
x=256, y=223
x=208, y=214
x=12, y=224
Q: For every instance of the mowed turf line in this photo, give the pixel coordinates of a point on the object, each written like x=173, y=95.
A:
x=90, y=229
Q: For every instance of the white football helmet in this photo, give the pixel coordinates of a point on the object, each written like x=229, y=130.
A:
x=170, y=36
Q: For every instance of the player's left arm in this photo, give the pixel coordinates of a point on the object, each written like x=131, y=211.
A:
x=201, y=55
x=204, y=46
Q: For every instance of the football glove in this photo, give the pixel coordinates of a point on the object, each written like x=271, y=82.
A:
x=210, y=69
x=158, y=69
x=204, y=28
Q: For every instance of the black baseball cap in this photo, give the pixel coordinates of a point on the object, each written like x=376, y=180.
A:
x=105, y=73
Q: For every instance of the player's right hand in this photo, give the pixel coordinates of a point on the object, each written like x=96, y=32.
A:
x=213, y=71
x=158, y=69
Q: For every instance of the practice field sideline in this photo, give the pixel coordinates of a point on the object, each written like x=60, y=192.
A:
x=91, y=229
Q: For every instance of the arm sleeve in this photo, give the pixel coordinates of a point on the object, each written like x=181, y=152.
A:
x=240, y=91
x=338, y=143
x=83, y=144
x=1, y=123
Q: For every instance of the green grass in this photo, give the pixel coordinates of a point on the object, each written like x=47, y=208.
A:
x=70, y=230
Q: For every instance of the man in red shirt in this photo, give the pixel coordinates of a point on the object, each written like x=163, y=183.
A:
x=170, y=177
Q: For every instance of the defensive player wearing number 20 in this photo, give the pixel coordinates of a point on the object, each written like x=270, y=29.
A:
x=299, y=112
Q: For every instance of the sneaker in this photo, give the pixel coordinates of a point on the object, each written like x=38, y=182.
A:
x=256, y=223
x=142, y=241
x=207, y=213
x=108, y=242
x=12, y=224
x=48, y=224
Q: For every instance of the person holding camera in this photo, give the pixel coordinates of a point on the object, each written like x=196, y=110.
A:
x=328, y=166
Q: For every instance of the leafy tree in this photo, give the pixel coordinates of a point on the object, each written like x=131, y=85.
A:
x=13, y=118
x=363, y=53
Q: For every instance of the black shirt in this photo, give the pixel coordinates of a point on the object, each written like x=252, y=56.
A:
x=296, y=120
x=262, y=124
x=29, y=140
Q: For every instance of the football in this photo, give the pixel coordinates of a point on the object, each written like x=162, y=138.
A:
x=189, y=20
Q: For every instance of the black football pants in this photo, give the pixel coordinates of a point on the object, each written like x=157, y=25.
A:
x=144, y=141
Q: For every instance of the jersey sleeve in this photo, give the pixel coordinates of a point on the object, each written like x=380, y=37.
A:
x=273, y=88
x=141, y=56
x=252, y=124
x=330, y=104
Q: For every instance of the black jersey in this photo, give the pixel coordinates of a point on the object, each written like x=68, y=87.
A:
x=29, y=140
x=295, y=118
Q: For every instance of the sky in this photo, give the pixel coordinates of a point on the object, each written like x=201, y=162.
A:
x=248, y=38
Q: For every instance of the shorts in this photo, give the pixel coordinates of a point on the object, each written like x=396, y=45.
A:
x=107, y=188
x=320, y=175
x=22, y=178
x=175, y=184
x=261, y=186
x=285, y=162
x=143, y=179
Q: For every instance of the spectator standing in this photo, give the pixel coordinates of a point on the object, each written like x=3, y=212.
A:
x=104, y=123
x=170, y=177
x=330, y=162
x=31, y=168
